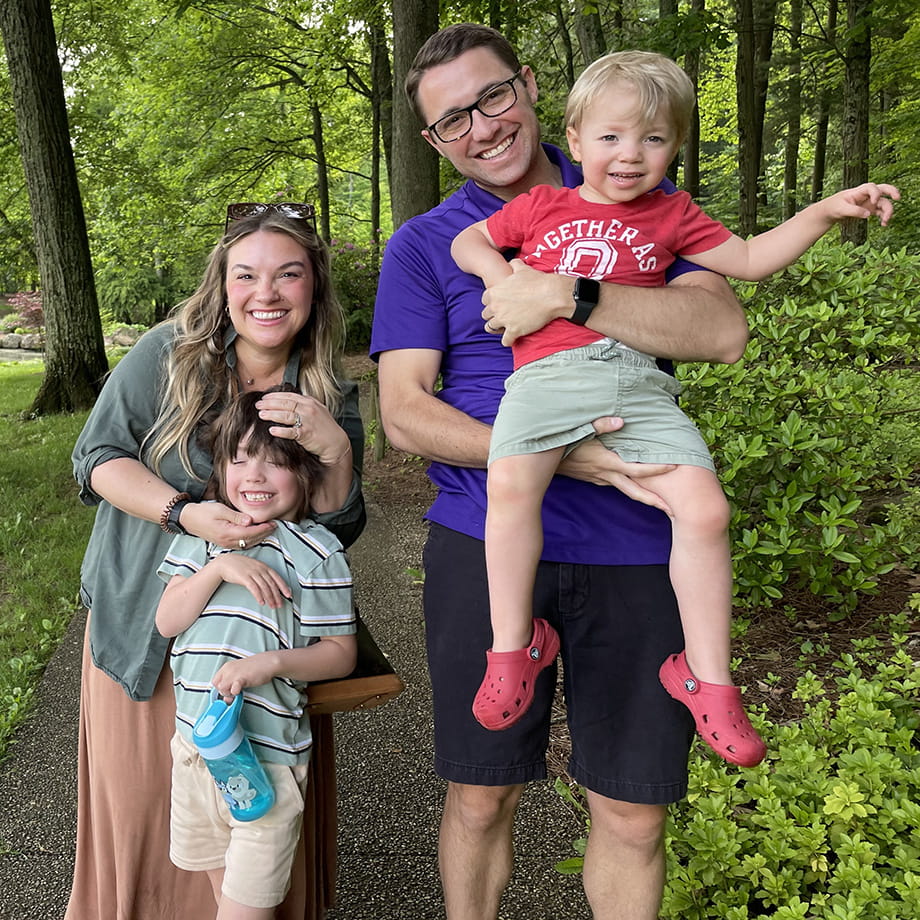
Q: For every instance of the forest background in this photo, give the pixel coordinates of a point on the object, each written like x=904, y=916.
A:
x=177, y=107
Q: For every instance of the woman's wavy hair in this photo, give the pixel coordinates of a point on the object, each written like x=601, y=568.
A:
x=198, y=380
x=239, y=421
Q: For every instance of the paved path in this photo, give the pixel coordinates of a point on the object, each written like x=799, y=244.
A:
x=390, y=799
x=20, y=354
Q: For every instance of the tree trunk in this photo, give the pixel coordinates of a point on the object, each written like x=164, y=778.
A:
x=414, y=185
x=746, y=95
x=822, y=118
x=495, y=15
x=322, y=171
x=856, y=108
x=568, y=61
x=382, y=103
x=590, y=34
x=667, y=9
x=75, y=362
x=614, y=40
x=691, y=183
x=794, y=109
x=764, y=28
x=755, y=25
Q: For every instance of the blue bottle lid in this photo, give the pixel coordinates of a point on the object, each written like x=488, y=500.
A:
x=217, y=731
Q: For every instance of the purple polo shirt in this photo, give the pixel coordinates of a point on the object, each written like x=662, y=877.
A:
x=425, y=301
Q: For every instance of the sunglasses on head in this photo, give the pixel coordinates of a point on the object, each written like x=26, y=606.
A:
x=296, y=210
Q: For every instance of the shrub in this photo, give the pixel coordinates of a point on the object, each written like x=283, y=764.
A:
x=27, y=314
x=355, y=270
x=798, y=427
x=827, y=827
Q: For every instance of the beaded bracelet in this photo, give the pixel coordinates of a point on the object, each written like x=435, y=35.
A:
x=164, y=516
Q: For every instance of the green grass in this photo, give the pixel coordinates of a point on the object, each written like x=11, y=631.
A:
x=43, y=532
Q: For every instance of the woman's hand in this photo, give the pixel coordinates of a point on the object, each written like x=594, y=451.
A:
x=308, y=422
x=222, y=525
x=592, y=462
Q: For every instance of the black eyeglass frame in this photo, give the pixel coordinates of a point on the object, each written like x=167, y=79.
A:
x=296, y=210
x=475, y=107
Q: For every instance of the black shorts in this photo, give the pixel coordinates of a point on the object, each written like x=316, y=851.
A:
x=617, y=624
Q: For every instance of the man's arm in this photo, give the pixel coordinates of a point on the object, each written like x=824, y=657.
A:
x=695, y=318
x=416, y=421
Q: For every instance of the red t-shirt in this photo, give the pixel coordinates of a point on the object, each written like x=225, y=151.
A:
x=556, y=230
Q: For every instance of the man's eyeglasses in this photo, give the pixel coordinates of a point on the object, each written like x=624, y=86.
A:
x=243, y=209
x=492, y=102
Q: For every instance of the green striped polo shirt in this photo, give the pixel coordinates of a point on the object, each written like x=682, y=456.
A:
x=232, y=626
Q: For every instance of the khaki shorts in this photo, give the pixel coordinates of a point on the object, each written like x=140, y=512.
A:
x=552, y=403
x=256, y=855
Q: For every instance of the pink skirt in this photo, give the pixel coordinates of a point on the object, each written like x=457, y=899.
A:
x=122, y=869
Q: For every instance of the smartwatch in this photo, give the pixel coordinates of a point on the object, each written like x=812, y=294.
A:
x=172, y=524
x=587, y=293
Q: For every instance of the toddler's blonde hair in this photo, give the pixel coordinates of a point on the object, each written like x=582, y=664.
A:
x=659, y=83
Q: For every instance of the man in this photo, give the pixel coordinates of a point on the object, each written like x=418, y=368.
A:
x=603, y=580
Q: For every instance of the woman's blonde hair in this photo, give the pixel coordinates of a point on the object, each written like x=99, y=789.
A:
x=198, y=380
x=659, y=83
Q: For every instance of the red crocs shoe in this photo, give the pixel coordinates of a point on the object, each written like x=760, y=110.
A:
x=506, y=691
x=718, y=712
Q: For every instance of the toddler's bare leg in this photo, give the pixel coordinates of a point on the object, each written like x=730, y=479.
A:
x=700, y=566
x=514, y=541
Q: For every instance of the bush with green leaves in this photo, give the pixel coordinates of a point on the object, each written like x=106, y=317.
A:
x=355, y=270
x=801, y=428
x=827, y=827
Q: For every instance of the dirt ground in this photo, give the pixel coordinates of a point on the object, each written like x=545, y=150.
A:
x=770, y=649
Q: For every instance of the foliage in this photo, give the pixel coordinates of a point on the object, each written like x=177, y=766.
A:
x=178, y=107
x=801, y=428
x=904, y=523
x=27, y=314
x=43, y=532
x=355, y=270
x=827, y=827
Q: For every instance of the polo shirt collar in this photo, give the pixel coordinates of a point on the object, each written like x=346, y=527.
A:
x=571, y=177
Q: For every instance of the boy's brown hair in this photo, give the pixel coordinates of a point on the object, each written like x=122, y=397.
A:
x=241, y=418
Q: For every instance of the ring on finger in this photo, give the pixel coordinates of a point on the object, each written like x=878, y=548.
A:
x=242, y=544
x=298, y=421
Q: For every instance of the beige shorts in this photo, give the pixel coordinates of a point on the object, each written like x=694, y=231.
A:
x=256, y=855
x=552, y=403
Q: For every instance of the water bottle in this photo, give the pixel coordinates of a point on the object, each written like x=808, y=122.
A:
x=226, y=750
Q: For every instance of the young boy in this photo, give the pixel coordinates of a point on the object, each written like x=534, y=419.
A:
x=263, y=621
x=626, y=117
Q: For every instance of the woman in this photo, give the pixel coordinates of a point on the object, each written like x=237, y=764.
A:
x=264, y=314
